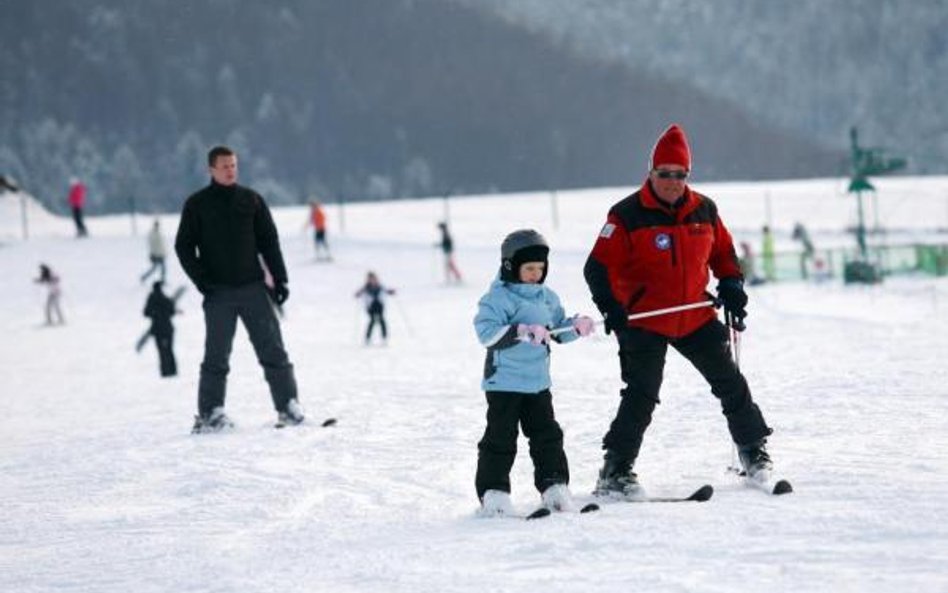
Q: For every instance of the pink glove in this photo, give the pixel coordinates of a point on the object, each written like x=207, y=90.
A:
x=583, y=325
x=534, y=333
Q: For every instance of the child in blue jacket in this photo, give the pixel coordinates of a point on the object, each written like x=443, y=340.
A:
x=516, y=320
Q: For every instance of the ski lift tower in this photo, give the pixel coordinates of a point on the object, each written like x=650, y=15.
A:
x=865, y=162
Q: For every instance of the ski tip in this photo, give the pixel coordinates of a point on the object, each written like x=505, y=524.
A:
x=703, y=494
x=589, y=508
x=782, y=487
x=539, y=514
x=329, y=422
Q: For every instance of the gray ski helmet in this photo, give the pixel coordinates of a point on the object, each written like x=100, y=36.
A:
x=519, y=247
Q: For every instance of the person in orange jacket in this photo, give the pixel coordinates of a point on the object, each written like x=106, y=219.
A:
x=317, y=219
x=657, y=249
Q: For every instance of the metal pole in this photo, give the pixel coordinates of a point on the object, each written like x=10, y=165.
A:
x=23, y=217
x=667, y=310
x=342, y=213
x=653, y=313
x=554, y=207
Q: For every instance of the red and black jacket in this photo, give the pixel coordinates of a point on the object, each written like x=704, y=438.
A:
x=651, y=256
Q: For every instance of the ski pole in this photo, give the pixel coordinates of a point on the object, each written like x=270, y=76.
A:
x=734, y=344
x=644, y=314
x=667, y=310
x=404, y=316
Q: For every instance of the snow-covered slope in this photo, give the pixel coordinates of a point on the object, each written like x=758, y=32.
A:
x=104, y=489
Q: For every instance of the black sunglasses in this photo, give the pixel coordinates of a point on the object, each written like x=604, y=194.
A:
x=671, y=174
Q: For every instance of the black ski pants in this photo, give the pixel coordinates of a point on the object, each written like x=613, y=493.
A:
x=166, y=361
x=642, y=360
x=376, y=315
x=498, y=447
x=251, y=304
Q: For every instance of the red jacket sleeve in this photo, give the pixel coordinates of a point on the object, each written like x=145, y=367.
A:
x=723, y=261
x=606, y=266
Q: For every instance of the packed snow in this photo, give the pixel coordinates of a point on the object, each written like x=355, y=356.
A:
x=105, y=490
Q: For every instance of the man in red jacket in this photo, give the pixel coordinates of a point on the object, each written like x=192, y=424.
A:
x=657, y=250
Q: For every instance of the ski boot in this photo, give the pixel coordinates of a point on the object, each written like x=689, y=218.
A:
x=291, y=416
x=558, y=498
x=755, y=461
x=216, y=421
x=617, y=480
x=496, y=503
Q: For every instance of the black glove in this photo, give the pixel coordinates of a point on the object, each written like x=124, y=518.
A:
x=616, y=320
x=732, y=296
x=280, y=293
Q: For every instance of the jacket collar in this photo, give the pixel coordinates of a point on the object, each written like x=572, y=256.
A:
x=528, y=291
x=685, y=204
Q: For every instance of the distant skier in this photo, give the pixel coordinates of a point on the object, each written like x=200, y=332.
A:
x=451, y=271
x=514, y=321
x=157, y=252
x=54, y=313
x=749, y=264
x=77, y=201
x=803, y=236
x=373, y=294
x=317, y=219
x=160, y=308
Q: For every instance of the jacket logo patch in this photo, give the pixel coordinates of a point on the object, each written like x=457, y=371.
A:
x=607, y=230
x=663, y=241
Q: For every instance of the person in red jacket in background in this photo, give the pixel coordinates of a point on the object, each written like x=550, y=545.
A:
x=657, y=250
x=77, y=200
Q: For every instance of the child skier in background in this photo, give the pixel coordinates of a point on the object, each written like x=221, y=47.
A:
x=514, y=321
x=51, y=280
x=373, y=293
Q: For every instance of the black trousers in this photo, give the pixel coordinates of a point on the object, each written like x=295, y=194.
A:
x=642, y=360
x=166, y=360
x=498, y=447
x=80, y=225
x=376, y=315
x=251, y=305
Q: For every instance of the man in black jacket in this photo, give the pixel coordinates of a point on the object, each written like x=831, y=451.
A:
x=223, y=229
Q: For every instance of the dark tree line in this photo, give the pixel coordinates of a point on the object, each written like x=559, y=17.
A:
x=347, y=99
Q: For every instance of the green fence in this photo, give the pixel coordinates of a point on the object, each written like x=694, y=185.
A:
x=829, y=263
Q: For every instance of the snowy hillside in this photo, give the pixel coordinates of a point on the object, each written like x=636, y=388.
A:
x=105, y=490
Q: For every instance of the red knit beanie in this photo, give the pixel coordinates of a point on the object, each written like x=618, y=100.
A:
x=671, y=149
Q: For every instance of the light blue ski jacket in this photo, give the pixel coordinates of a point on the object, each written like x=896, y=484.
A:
x=513, y=365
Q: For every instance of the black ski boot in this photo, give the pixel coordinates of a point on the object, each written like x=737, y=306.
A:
x=216, y=421
x=617, y=480
x=754, y=459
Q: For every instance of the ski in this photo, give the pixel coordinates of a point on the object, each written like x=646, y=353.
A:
x=539, y=514
x=764, y=482
x=702, y=494
x=323, y=424
x=769, y=485
x=542, y=512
